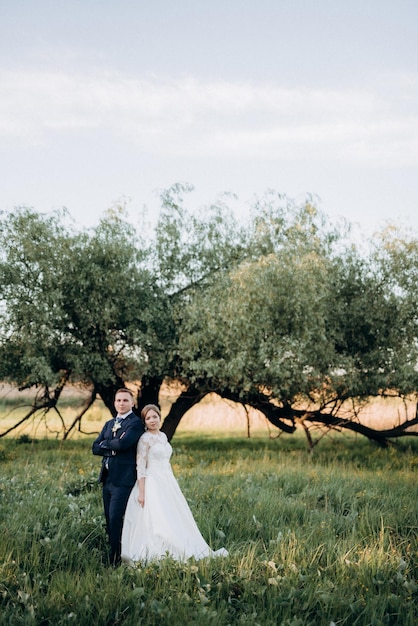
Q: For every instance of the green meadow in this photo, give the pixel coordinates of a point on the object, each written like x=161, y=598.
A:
x=314, y=539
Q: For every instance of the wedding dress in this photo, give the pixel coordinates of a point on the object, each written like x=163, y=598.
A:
x=164, y=526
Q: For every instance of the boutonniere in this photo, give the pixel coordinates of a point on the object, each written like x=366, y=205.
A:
x=116, y=427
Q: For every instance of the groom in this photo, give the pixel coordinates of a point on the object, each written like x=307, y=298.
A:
x=117, y=445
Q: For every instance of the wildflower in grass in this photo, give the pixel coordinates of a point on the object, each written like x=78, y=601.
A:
x=258, y=524
x=402, y=565
x=203, y=599
x=45, y=541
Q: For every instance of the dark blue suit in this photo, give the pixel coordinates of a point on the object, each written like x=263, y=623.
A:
x=118, y=473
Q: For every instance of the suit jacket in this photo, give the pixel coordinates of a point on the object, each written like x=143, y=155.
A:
x=119, y=449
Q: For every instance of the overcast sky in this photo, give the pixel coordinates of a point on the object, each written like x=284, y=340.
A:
x=105, y=101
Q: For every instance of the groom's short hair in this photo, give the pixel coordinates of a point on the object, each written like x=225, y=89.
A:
x=124, y=390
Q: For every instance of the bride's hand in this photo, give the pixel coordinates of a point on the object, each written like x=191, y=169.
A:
x=141, y=490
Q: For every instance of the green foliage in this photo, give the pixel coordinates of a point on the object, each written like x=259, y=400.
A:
x=305, y=316
x=312, y=539
x=194, y=246
x=77, y=303
x=264, y=326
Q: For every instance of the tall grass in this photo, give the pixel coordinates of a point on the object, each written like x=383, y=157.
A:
x=313, y=539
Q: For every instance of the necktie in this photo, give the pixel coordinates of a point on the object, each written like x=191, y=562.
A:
x=117, y=425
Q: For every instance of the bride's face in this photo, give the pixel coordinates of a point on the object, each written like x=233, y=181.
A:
x=152, y=420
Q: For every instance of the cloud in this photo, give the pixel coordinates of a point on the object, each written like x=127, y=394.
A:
x=188, y=117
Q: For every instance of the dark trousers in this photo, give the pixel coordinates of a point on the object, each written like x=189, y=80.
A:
x=115, y=499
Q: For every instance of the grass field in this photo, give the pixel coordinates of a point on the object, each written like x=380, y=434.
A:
x=320, y=539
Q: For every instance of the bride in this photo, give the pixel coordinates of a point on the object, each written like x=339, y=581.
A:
x=158, y=521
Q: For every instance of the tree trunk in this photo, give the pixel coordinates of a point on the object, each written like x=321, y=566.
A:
x=275, y=415
x=107, y=393
x=149, y=392
x=184, y=402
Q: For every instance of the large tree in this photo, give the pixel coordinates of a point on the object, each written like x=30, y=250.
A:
x=282, y=313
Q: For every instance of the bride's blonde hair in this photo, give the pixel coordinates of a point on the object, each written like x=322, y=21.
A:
x=147, y=408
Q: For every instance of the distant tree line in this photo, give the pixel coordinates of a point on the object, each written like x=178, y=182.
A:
x=283, y=313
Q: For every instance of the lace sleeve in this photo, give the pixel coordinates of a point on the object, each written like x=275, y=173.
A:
x=142, y=457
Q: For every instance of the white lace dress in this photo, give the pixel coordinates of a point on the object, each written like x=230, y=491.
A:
x=165, y=524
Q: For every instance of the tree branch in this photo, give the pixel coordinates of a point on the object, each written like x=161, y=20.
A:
x=89, y=402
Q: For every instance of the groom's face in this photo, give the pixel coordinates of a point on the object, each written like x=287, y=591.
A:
x=123, y=402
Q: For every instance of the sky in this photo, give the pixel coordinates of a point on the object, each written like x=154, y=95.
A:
x=107, y=102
